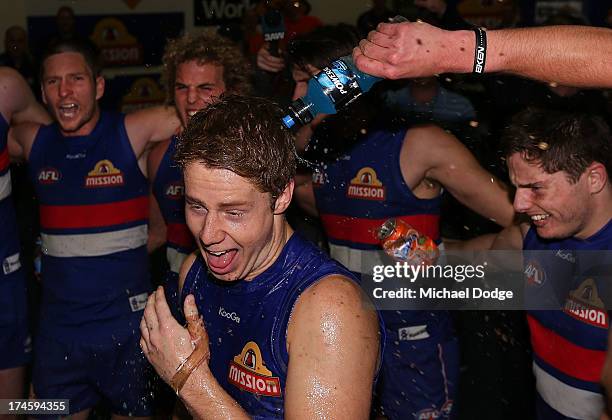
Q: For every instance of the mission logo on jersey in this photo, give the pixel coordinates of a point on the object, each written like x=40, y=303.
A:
x=248, y=372
x=366, y=186
x=584, y=304
x=104, y=174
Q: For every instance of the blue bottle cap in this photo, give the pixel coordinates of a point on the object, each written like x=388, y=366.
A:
x=288, y=121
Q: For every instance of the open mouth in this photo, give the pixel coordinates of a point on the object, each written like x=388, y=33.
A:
x=539, y=219
x=220, y=261
x=189, y=113
x=68, y=110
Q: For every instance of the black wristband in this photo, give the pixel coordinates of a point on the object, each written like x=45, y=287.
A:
x=480, y=51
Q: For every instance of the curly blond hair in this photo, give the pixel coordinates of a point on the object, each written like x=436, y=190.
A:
x=206, y=48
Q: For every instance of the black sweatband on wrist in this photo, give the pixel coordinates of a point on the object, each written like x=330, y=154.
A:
x=480, y=51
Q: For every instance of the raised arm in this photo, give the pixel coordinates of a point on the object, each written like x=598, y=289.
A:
x=333, y=344
x=151, y=125
x=21, y=110
x=18, y=104
x=570, y=55
x=431, y=153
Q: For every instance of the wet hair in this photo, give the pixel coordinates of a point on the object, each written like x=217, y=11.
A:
x=323, y=45
x=338, y=133
x=244, y=135
x=86, y=49
x=206, y=48
x=559, y=141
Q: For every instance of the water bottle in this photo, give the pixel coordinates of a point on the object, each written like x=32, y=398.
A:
x=330, y=90
x=333, y=88
x=404, y=243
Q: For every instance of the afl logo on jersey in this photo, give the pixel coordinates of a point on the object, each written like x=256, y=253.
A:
x=48, y=176
x=104, y=174
x=366, y=186
x=175, y=191
x=319, y=178
x=248, y=372
x=534, y=274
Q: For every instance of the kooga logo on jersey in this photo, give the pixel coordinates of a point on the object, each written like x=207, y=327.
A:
x=233, y=316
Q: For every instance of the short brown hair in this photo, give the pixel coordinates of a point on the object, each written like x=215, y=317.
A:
x=559, y=141
x=88, y=51
x=206, y=48
x=244, y=135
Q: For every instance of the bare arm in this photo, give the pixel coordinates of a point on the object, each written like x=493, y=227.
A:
x=430, y=152
x=20, y=109
x=303, y=194
x=20, y=140
x=157, y=224
x=326, y=377
x=511, y=238
x=18, y=104
x=150, y=125
x=570, y=55
x=206, y=399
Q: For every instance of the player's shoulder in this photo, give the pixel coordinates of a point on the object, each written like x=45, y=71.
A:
x=335, y=292
x=9, y=75
x=155, y=156
x=14, y=91
x=428, y=135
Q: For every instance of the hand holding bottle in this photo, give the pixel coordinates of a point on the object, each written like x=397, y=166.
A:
x=404, y=243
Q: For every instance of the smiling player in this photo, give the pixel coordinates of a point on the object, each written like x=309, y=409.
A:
x=287, y=330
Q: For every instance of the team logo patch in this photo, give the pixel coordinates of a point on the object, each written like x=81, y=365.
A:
x=584, y=304
x=319, y=178
x=366, y=186
x=11, y=264
x=104, y=174
x=248, y=372
x=566, y=255
x=534, y=274
x=175, y=191
x=48, y=176
x=434, y=413
x=138, y=302
x=417, y=332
